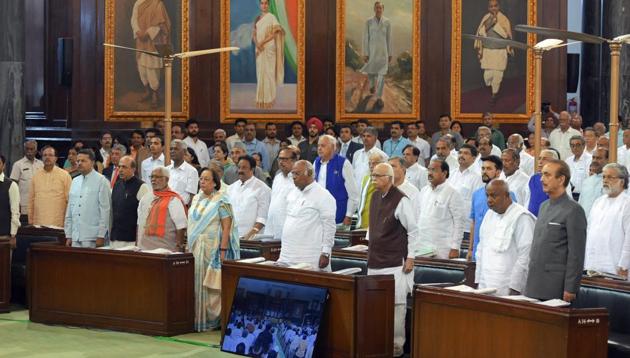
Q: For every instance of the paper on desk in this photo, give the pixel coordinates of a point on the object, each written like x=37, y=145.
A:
x=302, y=266
x=593, y=273
x=520, y=298
x=426, y=252
x=360, y=248
x=554, y=303
x=127, y=248
x=253, y=260
x=348, y=271
x=159, y=250
x=468, y=289
x=53, y=227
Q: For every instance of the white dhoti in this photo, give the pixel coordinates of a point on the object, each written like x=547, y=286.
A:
x=494, y=63
x=403, y=285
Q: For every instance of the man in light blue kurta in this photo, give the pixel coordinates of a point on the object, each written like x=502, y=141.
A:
x=377, y=49
x=88, y=212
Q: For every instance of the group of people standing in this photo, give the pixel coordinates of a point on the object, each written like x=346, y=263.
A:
x=415, y=195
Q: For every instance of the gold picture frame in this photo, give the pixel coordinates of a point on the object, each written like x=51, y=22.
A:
x=238, y=98
x=456, y=67
x=121, y=101
x=343, y=93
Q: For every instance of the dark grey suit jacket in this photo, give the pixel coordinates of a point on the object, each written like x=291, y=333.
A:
x=557, y=253
x=352, y=148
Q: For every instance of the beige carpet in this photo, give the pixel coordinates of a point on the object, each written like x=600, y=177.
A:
x=21, y=338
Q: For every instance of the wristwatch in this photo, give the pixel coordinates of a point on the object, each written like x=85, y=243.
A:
x=325, y=254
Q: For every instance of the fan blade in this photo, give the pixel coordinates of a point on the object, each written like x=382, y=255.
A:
x=561, y=34
x=492, y=40
x=204, y=52
x=133, y=49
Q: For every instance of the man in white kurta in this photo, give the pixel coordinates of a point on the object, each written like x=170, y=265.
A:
x=441, y=215
x=623, y=151
x=466, y=180
x=360, y=161
x=416, y=174
x=281, y=190
x=516, y=142
x=560, y=137
x=392, y=235
x=268, y=36
x=308, y=234
x=579, y=164
x=608, y=231
x=377, y=49
x=494, y=58
x=505, y=238
x=250, y=198
x=514, y=176
x=184, y=178
x=400, y=180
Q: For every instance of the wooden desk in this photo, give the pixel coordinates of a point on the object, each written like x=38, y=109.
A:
x=356, y=237
x=5, y=275
x=270, y=250
x=467, y=266
x=30, y=230
x=606, y=283
x=454, y=324
x=119, y=290
x=359, y=316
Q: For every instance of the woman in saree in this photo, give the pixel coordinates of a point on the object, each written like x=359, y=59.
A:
x=212, y=238
x=268, y=37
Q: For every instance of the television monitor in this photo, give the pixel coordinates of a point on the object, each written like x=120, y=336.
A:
x=274, y=319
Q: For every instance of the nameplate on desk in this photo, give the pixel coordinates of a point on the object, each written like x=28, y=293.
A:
x=180, y=263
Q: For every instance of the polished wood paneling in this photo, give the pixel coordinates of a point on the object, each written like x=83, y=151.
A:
x=453, y=324
x=351, y=327
x=135, y=292
x=5, y=275
x=84, y=21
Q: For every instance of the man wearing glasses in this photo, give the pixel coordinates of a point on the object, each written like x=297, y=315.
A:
x=162, y=219
x=578, y=163
x=608, y=236
x=392, y=234
x=282, y=186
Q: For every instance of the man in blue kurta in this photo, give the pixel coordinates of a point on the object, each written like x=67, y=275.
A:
x=377, y=49
x=88, y=212
x=491, y=168
x=335, y=173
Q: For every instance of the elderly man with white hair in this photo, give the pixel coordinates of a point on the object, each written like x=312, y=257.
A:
x=308, y=234
x=219, y=135
x=516, y=142
x=162, y=219
x=335, y=173
x=608, y=231
x=360, y=160
x=23, y=171
x=367, y=190
x=485, y=132
x=393, y=236
x=505, y=239
x=184, y=177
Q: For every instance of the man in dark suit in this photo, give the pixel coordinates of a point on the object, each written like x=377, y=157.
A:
x=557, y=253
x=346, y=146
x=112, y=170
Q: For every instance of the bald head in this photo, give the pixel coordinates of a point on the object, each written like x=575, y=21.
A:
x=498, y=193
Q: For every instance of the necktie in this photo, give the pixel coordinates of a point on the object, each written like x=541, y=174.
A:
x=114, y=176
x=344, y=149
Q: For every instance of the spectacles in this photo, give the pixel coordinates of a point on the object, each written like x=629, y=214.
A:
x=576, y=145
x=157, y=176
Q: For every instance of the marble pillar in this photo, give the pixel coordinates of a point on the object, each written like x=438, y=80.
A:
x=11, y=79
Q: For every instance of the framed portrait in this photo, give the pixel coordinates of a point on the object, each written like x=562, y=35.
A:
x=265, y=78
x=134, y=82
x=496, y=79
x=378, y=59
